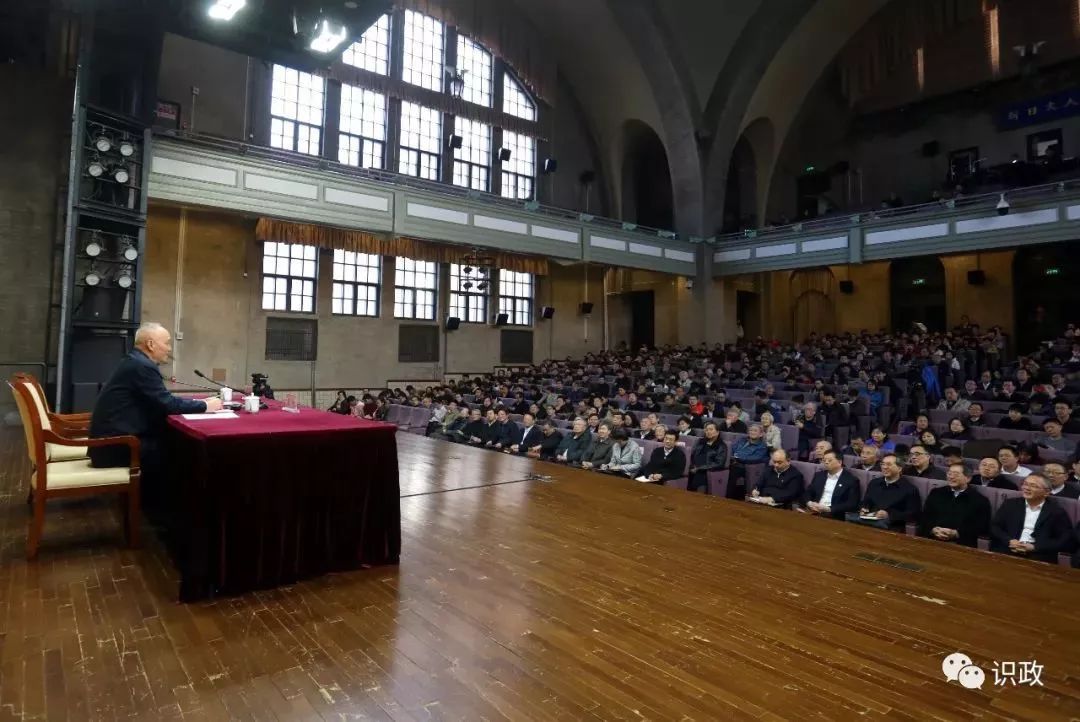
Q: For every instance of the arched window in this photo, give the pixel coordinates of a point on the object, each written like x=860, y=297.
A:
x=372, y=51
x=474, y=63
x=516, y=101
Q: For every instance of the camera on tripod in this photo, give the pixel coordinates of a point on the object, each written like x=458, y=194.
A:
x=260, y=386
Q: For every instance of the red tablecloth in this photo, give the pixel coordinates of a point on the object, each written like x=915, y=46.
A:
x=270, y=498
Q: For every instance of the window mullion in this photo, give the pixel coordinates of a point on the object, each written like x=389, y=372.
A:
x=332, y=120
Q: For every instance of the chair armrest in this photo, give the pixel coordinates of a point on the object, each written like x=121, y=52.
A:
x=984, y=543
x=132, y=443
x=70, y=425
x=70, y=418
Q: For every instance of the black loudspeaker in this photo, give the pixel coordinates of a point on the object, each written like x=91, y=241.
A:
x=547, y=312
x=455, y=141
x=586, y=308
x=847, y=287
x=931, y=149
x=550, y=165
x=502, y=319
x=504, y=154
x=976, y=278
x=452, y=323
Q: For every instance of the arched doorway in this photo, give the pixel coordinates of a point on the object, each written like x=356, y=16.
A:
x=1046, y=293
x=646, y=178
x=814, y=310
x=740, y=199
x=917, y=293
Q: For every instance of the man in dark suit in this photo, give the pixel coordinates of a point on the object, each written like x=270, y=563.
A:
x=1060, y=486
x=475, y=431
x=666, y=463
x=503, y=432
x=990, y=475
x=135, y=401
x=921, y=465
x=834, y=491
x=528, y=436
x=782, y=484
x=955, y=513
x=1032, y=526
x=893, y=500
x=710, y=454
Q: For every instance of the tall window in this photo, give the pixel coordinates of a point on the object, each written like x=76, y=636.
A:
x=296, y=110
x=516, y=101
x=356, y=283
x=519, y=173
x=467, y=300
x=363, y=127
x=289, y=275
x=415, y=284
x=516, y=296
x=423, y=51
x=372, y=51
x=472, y=161
x=421, y=141
x=475, y=63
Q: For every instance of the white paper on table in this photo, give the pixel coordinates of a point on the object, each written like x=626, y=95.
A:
x=212, y=415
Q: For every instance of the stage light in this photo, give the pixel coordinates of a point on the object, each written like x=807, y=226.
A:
x=327, y=39
x=92, y=278
x=130, y=252
x=93, y=248
x=467, y=270
x=467, y=285
x=225, y=10
x=95, y=168
x=124, y=280
x=102, y=142
x=127, y=148
x=120, y=174
x=482, y=286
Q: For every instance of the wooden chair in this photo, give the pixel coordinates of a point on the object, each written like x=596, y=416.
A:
x=72, y=422
x=72, y=478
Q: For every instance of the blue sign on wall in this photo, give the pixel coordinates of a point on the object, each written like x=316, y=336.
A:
x=1040, y=110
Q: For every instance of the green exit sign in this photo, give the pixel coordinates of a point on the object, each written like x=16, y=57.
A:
x=1053, y=271
x=919, y=282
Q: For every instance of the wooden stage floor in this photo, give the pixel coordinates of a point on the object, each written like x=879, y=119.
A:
x=584, y=597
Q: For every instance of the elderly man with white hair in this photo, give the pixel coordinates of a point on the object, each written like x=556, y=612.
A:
x=135, y=401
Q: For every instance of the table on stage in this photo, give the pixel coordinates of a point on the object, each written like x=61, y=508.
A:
x=267, y=499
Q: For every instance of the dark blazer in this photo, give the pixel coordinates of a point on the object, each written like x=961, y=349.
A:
x=968, y=514
x=900, y=499
x=575, y=448
x=526, y=439
x=478, y=428
x=668, y=468
x=550, y=444
x=784, y=488
x=1053, y=531
x=846, y=496
x=932, y=472
x=135, y=402
x=1069, y=491
x=998, y=482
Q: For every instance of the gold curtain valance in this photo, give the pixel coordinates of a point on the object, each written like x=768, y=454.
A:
x=271, y=229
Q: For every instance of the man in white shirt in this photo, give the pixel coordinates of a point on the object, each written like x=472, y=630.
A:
x=1033, y=525
x=1057, y=476
x=1010, y=462
x=527, y=437
x=834, y=491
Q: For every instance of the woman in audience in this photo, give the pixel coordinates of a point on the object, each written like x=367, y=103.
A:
x=929, y=440
x=339, y=402
x=874, y=396
x=921, y=424
x=958, y=430
x=1028, y=451
x=540, y=414
x=878, y=438
x=771, y=433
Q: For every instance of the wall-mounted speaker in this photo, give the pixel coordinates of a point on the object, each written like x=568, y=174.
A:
x=504, y=154
x=550, y=165
x=455, y=141
x=586, y=308
x=547, y=312
x=976, y=277
x=452, y=323
x=847, y=287
x=502, y=319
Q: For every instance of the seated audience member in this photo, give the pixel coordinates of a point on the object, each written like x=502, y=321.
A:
x=549, y=443
x=990, y=475
x=350, y=407
x=854, y=448
x=521, y=406
x=770, y=432
x=955, y=513
x=576, y=444
x=683, y=426
x=975, y=415
x=1028, y=453
x=732, y=423
x=880, y=440
x=340, y=403
x=810, y=429
x=666, y=463
x=625, y=456
x=633, y=403
x=617, y=420
x=475, y=432
x=709, y=455
x=1010, y=462
x=952, y=402
x=781, y=484
x=1060, y=486
x=645, y=432
x=834, y=414
x=1074, y=477
x=869, y=459
x=1016, y=421
x=951, y=455
x=929, y=441
x=1052, y=438
x=503, y=432
x=920, y=464
x=892, y=501
x=1063, y=412
x=1008, y=392
x=985, y=388
x=958, y=430
x=453, y=423
x=528, y=436
x=593, y=422
x=1033, y=525
x=600, y=451
x=834, y=491
x=820, y=448
x=751, y=450
x=921, y=424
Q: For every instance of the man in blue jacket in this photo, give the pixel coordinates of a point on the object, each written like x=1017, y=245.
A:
x=135, y=401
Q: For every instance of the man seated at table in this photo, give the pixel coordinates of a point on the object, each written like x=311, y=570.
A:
x=1032, y=525
x=475, y=432
x=781, y=484
x=625, y=457
x=709, y=455
x=1060, y=486
x=955, y=513
x=600, y=451
x=549, y=443
x=891, y=500
x=576, y=444
x=990, y=475
x=528, y=436
x=503, y=432
x=751, y=450
x=834, y=491
x=134, y=401
x=920, y=464
x=454, y=423
x=666, y=463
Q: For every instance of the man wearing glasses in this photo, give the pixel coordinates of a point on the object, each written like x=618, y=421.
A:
x=919, y=465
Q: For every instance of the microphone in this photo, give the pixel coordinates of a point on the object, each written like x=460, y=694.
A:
x=174, y=380
x=201, y=375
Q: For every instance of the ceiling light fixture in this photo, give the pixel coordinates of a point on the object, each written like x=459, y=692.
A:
x=326, y=39
x=120, y=174
x=102, y=142
x=127, y=148
x=130, y=252
x=95, y=168
x=93, y=248
x=92, y=277
x=225, y=10
x=124, y=280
